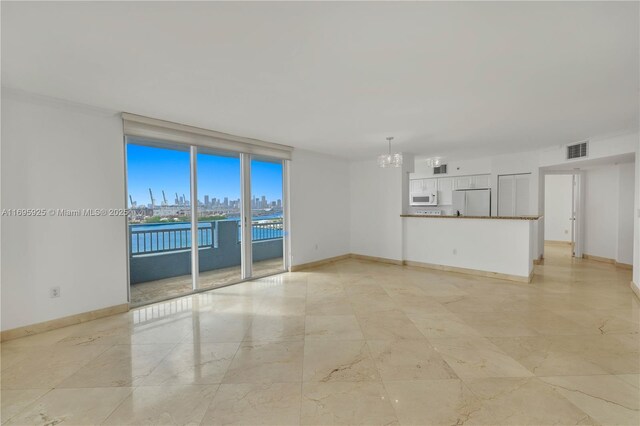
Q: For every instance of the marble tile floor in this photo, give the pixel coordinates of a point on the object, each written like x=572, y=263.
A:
x=351, y=342
x=153, y=291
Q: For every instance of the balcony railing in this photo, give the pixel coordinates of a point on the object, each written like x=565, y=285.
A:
x=266, y=230
x=165, y=239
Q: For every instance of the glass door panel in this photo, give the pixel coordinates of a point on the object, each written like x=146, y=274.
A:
x=159, y=221
x=267, y=225
x=218, y=207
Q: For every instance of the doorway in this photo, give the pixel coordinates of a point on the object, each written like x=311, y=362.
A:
x=562, y=218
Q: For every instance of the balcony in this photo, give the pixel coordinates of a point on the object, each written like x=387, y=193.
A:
x=160, y=256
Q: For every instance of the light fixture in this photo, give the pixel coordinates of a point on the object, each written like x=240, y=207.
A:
x=390, y=160
x=433, y=162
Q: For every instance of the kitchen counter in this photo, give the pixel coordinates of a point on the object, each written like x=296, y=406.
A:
x=503, y=248
x=473, y=217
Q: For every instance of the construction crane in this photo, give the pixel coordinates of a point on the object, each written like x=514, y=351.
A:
x=164, y=197
x=131, y=201
x=153, y=202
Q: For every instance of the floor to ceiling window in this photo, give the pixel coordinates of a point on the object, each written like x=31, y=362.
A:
x=159, y=221
x=230, y=203
x=219, y=208
x=267, y=218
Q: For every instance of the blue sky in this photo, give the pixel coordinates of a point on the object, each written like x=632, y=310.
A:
x=219, y=177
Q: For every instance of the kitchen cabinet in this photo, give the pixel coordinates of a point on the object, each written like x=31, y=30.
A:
x=472, y=182
x=429, y=185
x=445, y=191
x=482, y=181
x=513, y=195
x=463, y=182
x=415, y=186
x=446, y=185
x=421, y=186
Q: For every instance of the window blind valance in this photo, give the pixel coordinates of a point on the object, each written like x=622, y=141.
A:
x=151, y=128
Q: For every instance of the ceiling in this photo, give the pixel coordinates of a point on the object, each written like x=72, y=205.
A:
x=458, y=79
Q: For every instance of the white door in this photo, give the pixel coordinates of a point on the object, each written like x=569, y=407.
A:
x=578, y=208
x=445, y=188
x=513, y=195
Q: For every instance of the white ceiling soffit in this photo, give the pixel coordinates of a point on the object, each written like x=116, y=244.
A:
x=586, y=164
x=444, y=78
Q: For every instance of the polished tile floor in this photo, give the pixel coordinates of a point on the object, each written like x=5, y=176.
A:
x=153, y=291
x=349, y=343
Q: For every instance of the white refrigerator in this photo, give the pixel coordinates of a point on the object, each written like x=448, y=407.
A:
x=472, y=202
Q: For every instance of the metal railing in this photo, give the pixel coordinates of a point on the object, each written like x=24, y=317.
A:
x=153, y=241
x=167, y=240
x=266, y=231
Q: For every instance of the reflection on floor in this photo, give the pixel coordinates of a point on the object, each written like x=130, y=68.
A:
x=145, y=293
x=351, y=342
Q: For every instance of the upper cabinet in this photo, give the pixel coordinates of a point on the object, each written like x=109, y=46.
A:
x=420, y=186
x=482, y=181
x=415, y=186
x=446, y=185
x=472, y=182
x=463, y=182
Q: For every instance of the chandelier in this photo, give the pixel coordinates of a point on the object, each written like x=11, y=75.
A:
x=390, y=160
x=433, y=162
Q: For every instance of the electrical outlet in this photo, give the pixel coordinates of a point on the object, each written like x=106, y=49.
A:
x=316, y=247
x=54, y=292
x=455, y=251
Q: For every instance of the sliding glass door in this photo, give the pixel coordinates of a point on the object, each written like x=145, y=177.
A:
x=267, y=217
x=179, y=194
x=218, y=208
x=159, y=221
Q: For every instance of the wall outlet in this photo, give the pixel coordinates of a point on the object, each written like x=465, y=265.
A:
x=316, y=247
x=54, y=292
x=566, y=231
x=455, y=251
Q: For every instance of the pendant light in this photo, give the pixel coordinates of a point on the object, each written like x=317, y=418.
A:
x=390, y=160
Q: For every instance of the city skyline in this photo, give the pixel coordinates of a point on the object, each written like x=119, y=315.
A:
x=168, y=170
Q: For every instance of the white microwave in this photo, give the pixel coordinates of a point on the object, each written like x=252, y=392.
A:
x=425, y=199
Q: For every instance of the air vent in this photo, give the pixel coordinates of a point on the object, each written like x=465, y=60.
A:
x=577, y=150
x=440, y=170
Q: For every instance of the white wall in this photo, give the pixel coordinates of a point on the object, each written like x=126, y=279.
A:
x=320, y=207
x=376, y=206
x=608, y=212
x=479, y=166
x=558, y=207
x=625, y=213
x=601, y=212
x=636, y=232
x=58, y=155
x=598, y=148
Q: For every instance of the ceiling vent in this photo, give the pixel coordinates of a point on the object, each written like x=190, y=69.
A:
x=440, y=170
x=577, y=150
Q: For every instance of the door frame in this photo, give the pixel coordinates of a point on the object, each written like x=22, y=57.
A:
x=577, y=203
